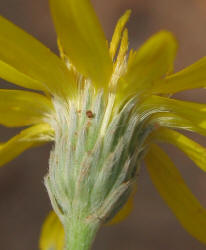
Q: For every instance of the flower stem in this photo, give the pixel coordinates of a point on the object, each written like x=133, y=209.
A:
x=80, y=235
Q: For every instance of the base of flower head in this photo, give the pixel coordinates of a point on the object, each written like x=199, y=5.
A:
x=79, y=233
x=94, y=163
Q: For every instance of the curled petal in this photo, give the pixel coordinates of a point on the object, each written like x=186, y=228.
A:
x=171, y=120
x=195, y=113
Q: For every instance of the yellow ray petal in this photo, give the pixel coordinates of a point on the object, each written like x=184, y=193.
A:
x=189, y=78
x=52, y=234
x=174, y=121
x=153, y=61
x=22, y=108
x=27, y=138
x=175, y=193
x=116, y=38
x=123, y=47
x=82, y=38
x=193, y=112
x=12, y=75
x=25, y=57
x=193, y=150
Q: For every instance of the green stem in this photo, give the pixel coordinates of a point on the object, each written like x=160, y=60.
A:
x=80, y=235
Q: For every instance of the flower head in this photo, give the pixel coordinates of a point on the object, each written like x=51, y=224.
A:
x=106, y=110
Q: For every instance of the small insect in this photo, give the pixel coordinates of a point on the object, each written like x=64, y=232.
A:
x=89, y=114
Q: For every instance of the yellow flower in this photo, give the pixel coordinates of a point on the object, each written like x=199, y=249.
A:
x=86, y=57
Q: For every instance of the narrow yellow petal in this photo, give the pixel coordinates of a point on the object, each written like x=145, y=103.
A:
x=120, y=64
x=116, y=38
x=12, y=75
x=195, y=113
x=27, y=138
x=25, y=57
x=167, y=119
x=189, y=78
x=125, y=211
x=82, y=38
x=193, y=150
x=22, y=108
x=61, y=51
x=123, y=47
x=153, y=61
x=176, y=194
x=52, y=234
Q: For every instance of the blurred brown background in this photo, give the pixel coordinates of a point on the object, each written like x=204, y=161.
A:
x=23, y=198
